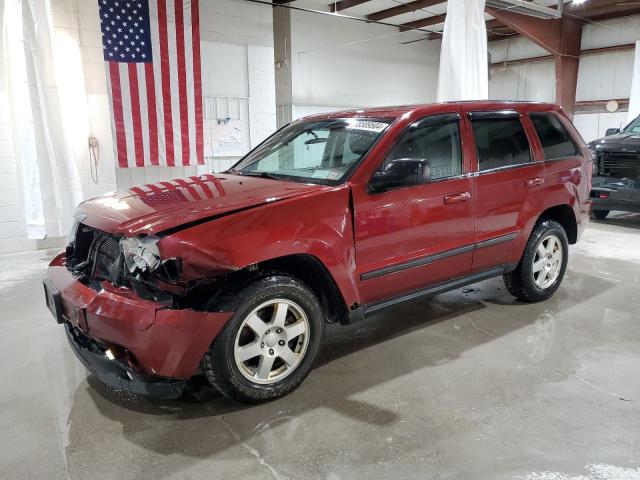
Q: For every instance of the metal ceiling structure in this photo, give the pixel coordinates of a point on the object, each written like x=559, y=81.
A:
x=431, y=14
x=554, y=25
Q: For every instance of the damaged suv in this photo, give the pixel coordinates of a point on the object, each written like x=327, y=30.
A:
x=333, y=218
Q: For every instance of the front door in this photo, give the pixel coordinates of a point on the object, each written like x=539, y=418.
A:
x=419, y=232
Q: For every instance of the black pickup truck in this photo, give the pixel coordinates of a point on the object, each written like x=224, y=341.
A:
x=616, y=170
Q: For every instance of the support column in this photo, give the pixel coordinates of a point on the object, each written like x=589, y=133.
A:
x=561, y=38
x=282, y=62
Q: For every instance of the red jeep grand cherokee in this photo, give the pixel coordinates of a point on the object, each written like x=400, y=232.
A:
x=333, y=218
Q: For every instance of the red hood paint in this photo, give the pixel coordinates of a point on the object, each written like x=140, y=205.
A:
x=160, y=206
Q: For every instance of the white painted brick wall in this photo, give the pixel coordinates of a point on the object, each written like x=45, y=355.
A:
x=221, y=20
x=10, y=228
x=262, y=93
x=78, y=20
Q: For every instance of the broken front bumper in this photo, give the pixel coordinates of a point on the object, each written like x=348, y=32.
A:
x=117, y=374
x=129, y=342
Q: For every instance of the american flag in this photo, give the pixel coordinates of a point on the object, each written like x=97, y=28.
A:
x=152, y=52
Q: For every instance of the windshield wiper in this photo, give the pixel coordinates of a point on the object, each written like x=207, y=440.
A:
x=273, y=176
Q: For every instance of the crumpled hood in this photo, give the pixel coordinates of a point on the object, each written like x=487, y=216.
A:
x=153, y=208
x=627, y=142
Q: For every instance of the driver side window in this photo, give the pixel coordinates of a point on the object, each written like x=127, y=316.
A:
x=435, y=142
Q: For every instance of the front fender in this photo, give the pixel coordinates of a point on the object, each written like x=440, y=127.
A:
x=318, y=224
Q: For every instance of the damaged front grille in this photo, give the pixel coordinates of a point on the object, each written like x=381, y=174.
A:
x=95, y=255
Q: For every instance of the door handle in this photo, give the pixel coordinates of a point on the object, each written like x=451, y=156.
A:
x=456, y=198
x=533, y=182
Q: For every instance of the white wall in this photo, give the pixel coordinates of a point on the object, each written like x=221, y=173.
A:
x=593, y=125
x=601, y=76
x=527, y=81
x=10, y=227
x=71, y=24
x=238, y=62
x=334, y=65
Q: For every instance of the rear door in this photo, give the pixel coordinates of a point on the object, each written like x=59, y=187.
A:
x=508, y=184
x=418, y=234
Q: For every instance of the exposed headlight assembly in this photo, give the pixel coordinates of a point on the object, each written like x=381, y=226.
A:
x=140, y=254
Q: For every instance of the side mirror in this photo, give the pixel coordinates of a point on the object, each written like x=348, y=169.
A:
x=401, y=172
x=611, y=131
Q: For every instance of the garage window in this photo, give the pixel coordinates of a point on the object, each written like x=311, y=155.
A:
x=500, y=141
x=556, y=141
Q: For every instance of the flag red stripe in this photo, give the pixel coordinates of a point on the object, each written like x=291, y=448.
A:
x=182, y=81
x=136, y=115
x=183, y=183
x=204, y=186
x=197, y=78
x=216, y=183
x=154, y=188
x=166, y=80
x=168, y=185
x=138, y=190
x=118, y=115
x=151, y=110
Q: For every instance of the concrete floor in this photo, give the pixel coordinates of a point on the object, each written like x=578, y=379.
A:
x=470, y=384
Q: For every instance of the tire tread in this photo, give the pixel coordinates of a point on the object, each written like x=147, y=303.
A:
x=519, y=282
x=213, y=362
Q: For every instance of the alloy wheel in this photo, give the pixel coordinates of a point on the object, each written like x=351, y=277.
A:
x=272, y=341
x=547, y=262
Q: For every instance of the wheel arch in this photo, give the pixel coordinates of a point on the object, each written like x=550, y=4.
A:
x=310, y=270
x=303, y=266
x=565, y=216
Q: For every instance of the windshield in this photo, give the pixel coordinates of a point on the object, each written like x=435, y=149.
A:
x=322, y=151
x=633, y=127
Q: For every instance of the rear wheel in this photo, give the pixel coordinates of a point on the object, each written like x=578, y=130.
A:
x=600, y=214
x=543, y=264
x=268, y=347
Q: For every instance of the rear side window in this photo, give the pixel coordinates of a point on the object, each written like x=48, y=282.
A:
x=556, y=141
x=500, y=142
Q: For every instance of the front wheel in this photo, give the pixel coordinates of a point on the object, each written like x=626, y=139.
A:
x=268, y=346
x=543, y=264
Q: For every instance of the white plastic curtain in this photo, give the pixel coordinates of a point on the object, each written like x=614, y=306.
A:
x=464, y=71
x=634, y=97
x=37, y=78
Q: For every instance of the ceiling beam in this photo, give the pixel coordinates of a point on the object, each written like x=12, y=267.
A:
x=424, y=22
x=594, y=10
x=400, y=9
x=492, y=24
x=583, y=53
x=546, y=33
x=561, y=38
x=344, y=4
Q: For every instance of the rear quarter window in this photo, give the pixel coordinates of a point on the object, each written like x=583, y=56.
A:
x=556, y=141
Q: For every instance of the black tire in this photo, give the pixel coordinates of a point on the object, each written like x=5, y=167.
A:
x=219, y=363
x=600, y=214
x=521, y=282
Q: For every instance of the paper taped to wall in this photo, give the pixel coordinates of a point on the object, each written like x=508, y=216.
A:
x=226, y=138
